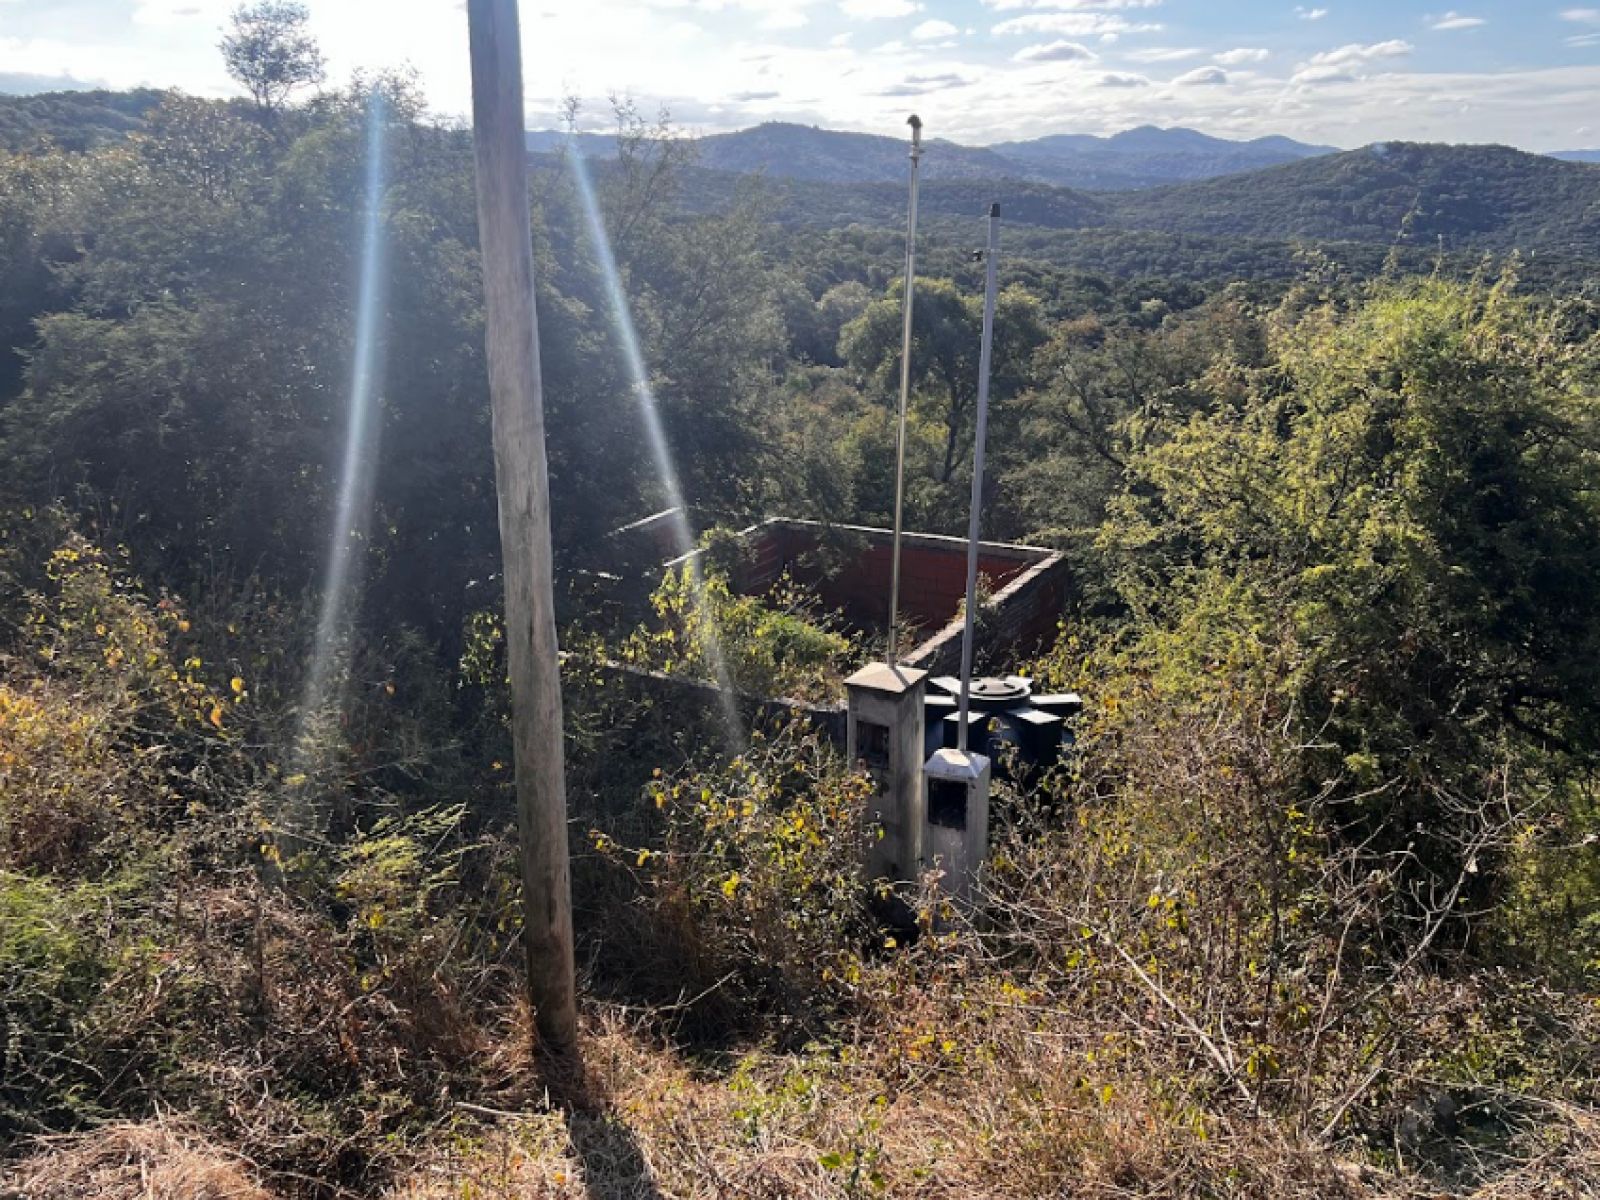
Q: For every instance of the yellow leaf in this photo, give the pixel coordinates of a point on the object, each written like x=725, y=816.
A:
x=730, y=885
x=237, y=685
x=183, y=626
x=644, y=857
x=216, y=714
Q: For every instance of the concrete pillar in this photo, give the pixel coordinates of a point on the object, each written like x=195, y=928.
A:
x=956, y=840
x=885, y=736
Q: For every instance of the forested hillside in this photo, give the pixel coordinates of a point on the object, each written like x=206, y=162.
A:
x=72, y=120
x=1135, y=158
x=1311, y=909
x=1421, y=201
x=1486, y=197
x=1149, y=157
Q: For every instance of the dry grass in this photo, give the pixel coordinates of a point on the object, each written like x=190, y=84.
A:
x=349, y=1026
x=889, y=1117
x=654, y=1124
x=150, y=1161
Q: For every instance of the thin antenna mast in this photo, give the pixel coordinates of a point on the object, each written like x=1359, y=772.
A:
x=991, y=256
x=905, y=394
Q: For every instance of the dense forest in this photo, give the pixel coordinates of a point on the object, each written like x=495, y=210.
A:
x=1313, y=909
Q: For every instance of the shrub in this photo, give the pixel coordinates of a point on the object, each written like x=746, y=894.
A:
x=773, y=645
x=752, y=869
x=1396, y=519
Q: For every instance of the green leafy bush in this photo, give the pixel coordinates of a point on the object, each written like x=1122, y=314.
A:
x=754, y=866
x=772, y=645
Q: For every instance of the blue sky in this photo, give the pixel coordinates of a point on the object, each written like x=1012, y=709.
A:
x=1345, y=72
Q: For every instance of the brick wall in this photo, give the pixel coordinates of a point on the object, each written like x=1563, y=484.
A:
x=1026, y=612
x=1031, y=585
x=933, y=572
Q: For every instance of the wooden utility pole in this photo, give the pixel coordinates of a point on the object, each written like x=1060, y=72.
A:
x=523, y=485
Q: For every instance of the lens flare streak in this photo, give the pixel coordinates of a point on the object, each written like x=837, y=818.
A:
x=639, y=376
x=330, y=660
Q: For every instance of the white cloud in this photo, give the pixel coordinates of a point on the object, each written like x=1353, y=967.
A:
x=930, y=31
x=1054, y=52
x=1073, y=5
x=1356, y=53
x=1454, y=20
x=877, y=10
x=1073, y=25
x=1161, y=54
x=731, y=75
x=1203, y=77
x=774, y=14
x=174, y=12
x=1236, y=58
x=1344, y=64
x=922, y=85
x=1318, y=76
x=1310, y=14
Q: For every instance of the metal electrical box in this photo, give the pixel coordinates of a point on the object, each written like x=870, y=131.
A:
x=957, y=837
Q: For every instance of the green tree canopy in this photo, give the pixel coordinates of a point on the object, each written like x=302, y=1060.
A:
x=946, y=335
x=1403, y=506
x=271, y=53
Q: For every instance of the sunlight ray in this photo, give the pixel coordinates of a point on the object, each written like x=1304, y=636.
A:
x=327, y=677
x=683, y=532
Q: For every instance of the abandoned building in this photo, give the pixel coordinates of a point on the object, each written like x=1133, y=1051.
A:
x=899, y=721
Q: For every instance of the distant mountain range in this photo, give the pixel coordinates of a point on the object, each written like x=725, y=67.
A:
x=1460, y=198
x=1148, y=157
x=1188, y=195
x=1137, y=158
x=1490, y=198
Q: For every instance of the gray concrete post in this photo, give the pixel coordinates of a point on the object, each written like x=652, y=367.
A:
x=957, y=837
x=884, y=735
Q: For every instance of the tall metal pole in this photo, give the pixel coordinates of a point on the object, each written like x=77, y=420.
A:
x=991, y=256
x=523, y=486
x=905, y=393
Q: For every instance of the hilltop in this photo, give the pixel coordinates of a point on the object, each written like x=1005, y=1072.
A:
x=73, y=120
x=1149, y=156
x=1478, y=197
x=1135, y=158
x=1304, y=903
x=1469, y=200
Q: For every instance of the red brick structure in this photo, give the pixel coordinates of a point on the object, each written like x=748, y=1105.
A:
x=848, y=567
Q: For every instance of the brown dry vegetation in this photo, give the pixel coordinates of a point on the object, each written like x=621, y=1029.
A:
x=1287, y=926
x=153, y=1161
x=347, y=1023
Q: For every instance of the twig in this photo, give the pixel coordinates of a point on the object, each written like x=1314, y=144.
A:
x=1223, y=1062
